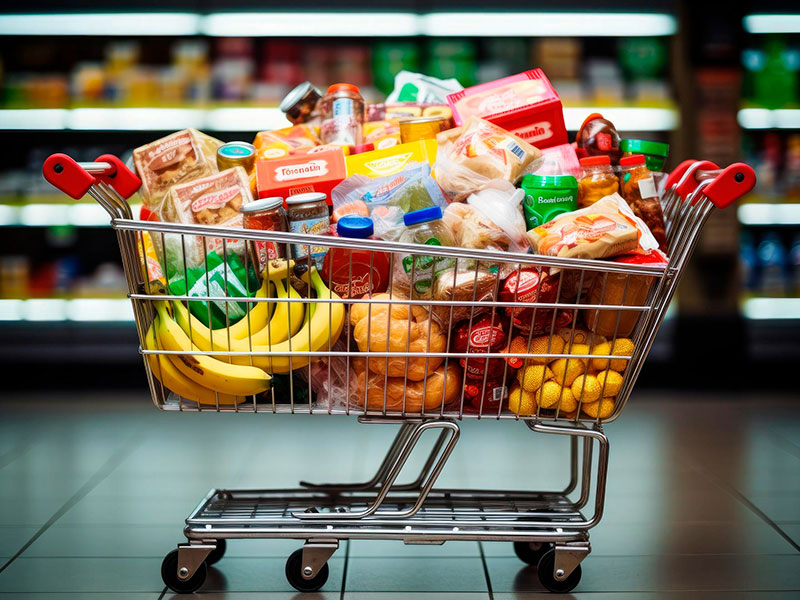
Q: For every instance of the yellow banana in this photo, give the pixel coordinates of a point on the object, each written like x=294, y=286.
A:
x=277, y=330
x=177, y=382
x=325, y=323
x=237, y=380
x=276, y=270
x=257, y=315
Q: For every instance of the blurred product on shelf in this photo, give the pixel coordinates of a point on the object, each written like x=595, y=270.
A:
x=771, y=76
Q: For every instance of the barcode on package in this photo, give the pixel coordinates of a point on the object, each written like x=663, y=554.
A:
x=516, y=150
x=499, y=393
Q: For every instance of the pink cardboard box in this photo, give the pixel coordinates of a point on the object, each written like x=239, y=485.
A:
x=525, y=104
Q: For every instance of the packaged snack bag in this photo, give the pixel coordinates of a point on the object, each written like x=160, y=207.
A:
x=177, y=158
x=383, y=134
x=213, y=200
x=415, y=87
x=471, y=155
x=381, y=163
x=525, y=104
x=293, y=137
x=606, y=228
x=300, y=173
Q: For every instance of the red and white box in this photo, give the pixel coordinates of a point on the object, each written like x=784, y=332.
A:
x=524, y=104
x=301, y=173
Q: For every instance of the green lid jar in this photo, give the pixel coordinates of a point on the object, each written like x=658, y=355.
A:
x=655, y=153
x=547, y=196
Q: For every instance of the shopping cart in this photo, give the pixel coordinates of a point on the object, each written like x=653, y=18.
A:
x=348, y=357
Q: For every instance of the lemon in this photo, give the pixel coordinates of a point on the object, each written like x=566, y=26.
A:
x=521, y=402
x=544, y=344
x=610, y=383
x=550, y=393
x=622, y=347
x=601, y=408
x=579, y=349
x=600, y=364
x=565, y=370
x=587, y=388
x=532, y=377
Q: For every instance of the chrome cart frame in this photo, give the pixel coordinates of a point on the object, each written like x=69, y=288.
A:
x=548, y=528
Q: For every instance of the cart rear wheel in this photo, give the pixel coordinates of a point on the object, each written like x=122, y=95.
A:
x=217, y=553
x=548, y=580
x=169, y=573
x=531, y=552
x=294, y=574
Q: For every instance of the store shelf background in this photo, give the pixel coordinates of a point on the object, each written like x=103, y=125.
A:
x=65, y=93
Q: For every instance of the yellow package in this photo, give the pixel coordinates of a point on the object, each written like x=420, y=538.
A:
x=151, y=268
x=296, y=136
x=380, y=163
x=382, y=134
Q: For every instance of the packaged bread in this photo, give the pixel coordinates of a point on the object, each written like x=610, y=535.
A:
x=606, y=228
x=177, y=158
x=468, y=285
x=477, y=152
x=213, y=200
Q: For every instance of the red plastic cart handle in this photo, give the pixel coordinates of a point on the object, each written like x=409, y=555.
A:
x=64, y=173
x=676, y=174
x=121, y=178
x=730, y=185
x=688, y=181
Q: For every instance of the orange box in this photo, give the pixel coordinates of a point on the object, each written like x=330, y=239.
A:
x=300, y=173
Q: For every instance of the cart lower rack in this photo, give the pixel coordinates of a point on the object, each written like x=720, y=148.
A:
x=569, y=335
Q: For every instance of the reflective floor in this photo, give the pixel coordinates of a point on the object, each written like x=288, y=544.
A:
x=703, y=500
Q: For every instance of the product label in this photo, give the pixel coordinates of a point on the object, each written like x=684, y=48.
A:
x=317, y=226
x=424, y=267
x=647, y=188
x=313, y=168
x=535, y=131
x=514, y=148
x=215, y=199
x=388, y=165
x=499, y=393
x=342, y=107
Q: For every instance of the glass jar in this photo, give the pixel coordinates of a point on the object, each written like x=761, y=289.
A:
x=598, y=137
x=638, y=188
x=655, y=153
x=342, y=111
x=308, y=214
x=352, y=273
x=235, y=154
x=425, y=226
x=300, y=104
x=597, y=182
x=266, y=214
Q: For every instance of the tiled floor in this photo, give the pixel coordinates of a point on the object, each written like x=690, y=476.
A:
x=703, y=501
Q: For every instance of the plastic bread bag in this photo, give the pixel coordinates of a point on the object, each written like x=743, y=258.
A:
x=387, y=199
x=477, y=152
x=327, y=377
x=606, y=228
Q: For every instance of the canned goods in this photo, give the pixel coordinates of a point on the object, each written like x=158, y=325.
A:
x=420, y=128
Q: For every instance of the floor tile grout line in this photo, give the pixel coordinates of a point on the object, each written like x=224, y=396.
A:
x=104, y=471
x=486, y=571
x=344, y=569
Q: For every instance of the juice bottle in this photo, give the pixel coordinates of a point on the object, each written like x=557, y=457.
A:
x=351, y=273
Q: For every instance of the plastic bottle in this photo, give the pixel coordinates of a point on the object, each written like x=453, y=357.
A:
x=342, y=111
x=773, y=262
x=598, y=136
x=351, y=273
x=425, y=226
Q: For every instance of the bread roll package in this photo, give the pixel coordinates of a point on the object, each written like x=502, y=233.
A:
x=177, y=158
x=213, y=200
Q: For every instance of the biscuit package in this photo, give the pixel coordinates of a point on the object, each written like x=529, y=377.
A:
x=177, y=158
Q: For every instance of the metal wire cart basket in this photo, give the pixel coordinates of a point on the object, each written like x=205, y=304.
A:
x=575, y=338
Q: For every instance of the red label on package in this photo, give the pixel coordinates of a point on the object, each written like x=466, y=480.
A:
x=300, y=173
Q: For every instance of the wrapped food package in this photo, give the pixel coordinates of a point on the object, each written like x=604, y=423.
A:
x=382, y=163
x=463, y=285
x=534, y=285
x=477, y=152
x=177, y=158
x=213, y=200
x=606, y=228
x=294, y=137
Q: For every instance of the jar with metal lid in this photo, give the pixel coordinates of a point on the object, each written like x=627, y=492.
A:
x=308, y=214
x=236, y=154
x=266, y=214
x=300, y=104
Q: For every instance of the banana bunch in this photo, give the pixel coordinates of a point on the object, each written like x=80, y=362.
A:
x=283, y=328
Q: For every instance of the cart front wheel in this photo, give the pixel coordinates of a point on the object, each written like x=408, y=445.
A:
x=217, y=553
x=169, y=573
x=294, y=574
x=531, y=552
x=548, y=580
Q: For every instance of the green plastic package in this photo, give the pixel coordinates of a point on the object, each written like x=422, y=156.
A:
x=239, y=285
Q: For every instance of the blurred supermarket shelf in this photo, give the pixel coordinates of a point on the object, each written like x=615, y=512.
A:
x=771, y=308
x=74, y=309
x=765, y=118
x=772, y=23
x=768, y=214
x=626, y=118
x=342, y=24
x=83, y=214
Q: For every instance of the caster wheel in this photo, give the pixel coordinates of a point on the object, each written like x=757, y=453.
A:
x=217, y=553
x=169, y=573
x=531, y=552
x=294, y=574
x=546, y=578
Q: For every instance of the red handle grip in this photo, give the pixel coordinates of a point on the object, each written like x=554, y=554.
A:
x=730, y=185
x=65, y=174
x=688, y=181
x=121, y=178
x=676, y=174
